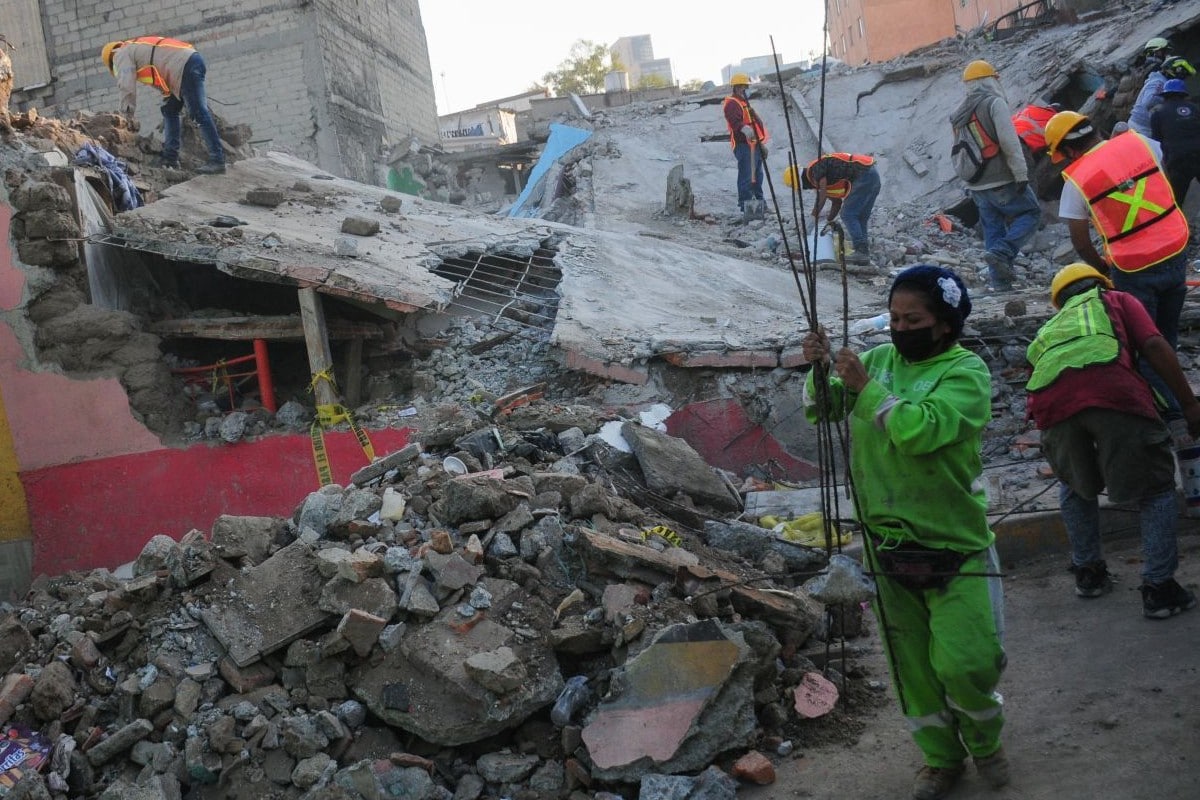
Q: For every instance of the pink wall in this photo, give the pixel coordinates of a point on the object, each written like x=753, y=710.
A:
x=891, y=28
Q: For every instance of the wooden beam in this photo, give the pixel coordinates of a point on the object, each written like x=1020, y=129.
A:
x=316, y=338
x=275, y=329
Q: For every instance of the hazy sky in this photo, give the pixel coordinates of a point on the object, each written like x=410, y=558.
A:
x=483, y=50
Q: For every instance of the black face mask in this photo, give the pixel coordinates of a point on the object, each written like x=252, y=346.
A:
x=916, y=344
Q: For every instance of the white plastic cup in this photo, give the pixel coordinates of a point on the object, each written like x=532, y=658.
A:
x=1189, y=474
x=454, y=465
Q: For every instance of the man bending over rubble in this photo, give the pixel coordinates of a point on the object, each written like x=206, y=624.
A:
x=177, y=70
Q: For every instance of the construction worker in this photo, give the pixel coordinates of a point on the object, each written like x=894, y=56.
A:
x=988, y=155
x=1120, y=186
x=177, y=70
x=850, y=182
x=1175, y=124
x=1030, y=124
x=1101, y=429
x=917, y=409
x=747, y=136
x=1151, y=94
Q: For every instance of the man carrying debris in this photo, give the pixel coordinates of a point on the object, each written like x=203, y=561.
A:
x=747, y=137
x=1100, y=428
x=989, y=157
x=177, y=70
x=851, y=183
x=1030, y=123
x=1176, y=125
x=917, y=409
x=1119, y=184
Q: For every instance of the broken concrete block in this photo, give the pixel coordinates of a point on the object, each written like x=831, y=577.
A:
x=120, y=741
x=374, y=595
x=449, y=706
x=686, y=698
x=753, y=542
x=245, y=679
x=391, y=461
x=261, y=196
x=466, y=500
x=360, y=226
x=346, y=247
x=361, y=630
x=360, y=565
x=390, y=203
x=155, y=555
x=499, y=671
x=671, y=465
x=249, y=538
x=269, y=605
x=53, y=692
x=711, y=784
x=13, y=691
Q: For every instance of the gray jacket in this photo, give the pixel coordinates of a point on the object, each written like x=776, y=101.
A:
x=1009, y=166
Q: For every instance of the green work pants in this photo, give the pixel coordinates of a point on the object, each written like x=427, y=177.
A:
x=945, y=650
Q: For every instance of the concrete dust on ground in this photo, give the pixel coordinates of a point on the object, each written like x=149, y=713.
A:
x=1099, y=701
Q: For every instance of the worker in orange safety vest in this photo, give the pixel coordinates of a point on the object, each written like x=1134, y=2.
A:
x=177, y=71
x=1119, y=184
x=747, y=137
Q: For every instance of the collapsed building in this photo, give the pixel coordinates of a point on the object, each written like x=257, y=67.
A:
x=404, y=628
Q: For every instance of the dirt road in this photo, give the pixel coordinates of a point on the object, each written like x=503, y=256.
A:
x=1100, y=702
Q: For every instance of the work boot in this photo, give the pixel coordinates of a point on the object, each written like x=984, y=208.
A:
x=934, y=783
x=212, y=168
x=168, y=163
x=1166, y=599
x=859, y=258
x=1000, y=272
x=993, y=769
x=1092, y=580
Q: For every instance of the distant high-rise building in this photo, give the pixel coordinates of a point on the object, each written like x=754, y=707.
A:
x=635, y=54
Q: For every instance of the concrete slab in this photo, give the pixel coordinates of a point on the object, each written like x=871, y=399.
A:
x=269, y=605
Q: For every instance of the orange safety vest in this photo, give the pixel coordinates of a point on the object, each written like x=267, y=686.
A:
x=1030, y=123
x=149, y=74
x=748, y=118
x=840, y=188
x=1131, y=202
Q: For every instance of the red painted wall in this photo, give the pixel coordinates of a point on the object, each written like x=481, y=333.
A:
x=101, y=513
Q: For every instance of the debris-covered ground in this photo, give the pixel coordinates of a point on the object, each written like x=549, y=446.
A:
x=514, y=605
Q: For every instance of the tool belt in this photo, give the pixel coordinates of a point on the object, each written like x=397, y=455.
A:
x=918, y=568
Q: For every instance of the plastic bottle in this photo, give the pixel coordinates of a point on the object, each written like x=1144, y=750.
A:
x=879, y=322
x=569, y=701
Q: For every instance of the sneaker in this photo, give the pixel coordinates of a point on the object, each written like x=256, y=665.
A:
x=1166, y=599
x=1092, y=580
x=1000, y=272
x=212, y=168
x=934, y=783
x=993, y=769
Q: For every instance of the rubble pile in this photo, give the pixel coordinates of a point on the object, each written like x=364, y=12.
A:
x=562, y=618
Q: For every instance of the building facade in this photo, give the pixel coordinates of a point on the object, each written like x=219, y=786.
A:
x=635, y=54
x=862, y=31
x=331, y=82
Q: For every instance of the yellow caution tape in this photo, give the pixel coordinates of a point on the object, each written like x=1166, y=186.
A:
x=329, y=414
x=671, y=537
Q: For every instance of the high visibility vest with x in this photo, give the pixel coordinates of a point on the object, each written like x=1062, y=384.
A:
x=1131, y=202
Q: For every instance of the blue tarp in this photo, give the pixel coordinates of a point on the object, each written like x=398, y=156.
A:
x=563, y=139
x=125, y=195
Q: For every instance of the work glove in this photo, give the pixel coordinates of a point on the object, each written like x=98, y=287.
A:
x=748, y=132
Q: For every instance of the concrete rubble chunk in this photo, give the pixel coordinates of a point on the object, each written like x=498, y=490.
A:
x=754, y=543
x=361, y=629
x=504, y=767
x=683, y=700
x=475, y=498
x=120, y=741
x=246, y=539
x=360, y=226
x=269, y=606
x=498, y=671
x=445, y=705
x=262, y=196
x=374, y=596
x=711, y=784
x=391, y=461
x=671, y=465
x=53, y=691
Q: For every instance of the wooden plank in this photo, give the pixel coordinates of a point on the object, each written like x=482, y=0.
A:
x=276, y=329
x=316, y=338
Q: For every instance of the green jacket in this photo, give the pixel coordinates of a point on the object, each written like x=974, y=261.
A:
x=916, y=434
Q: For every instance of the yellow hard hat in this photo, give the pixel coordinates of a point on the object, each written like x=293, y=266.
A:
x=1064, y=126
x=106, y=53
x=739, y=78
x=789, y=176
x=1073, y=273
x=979, y=69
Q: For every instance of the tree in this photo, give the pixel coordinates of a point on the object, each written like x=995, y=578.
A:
x=653, y=82
x=694, y=85
x=583, y=72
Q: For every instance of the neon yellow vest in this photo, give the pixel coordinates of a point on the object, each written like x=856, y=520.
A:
x=1078, y=337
